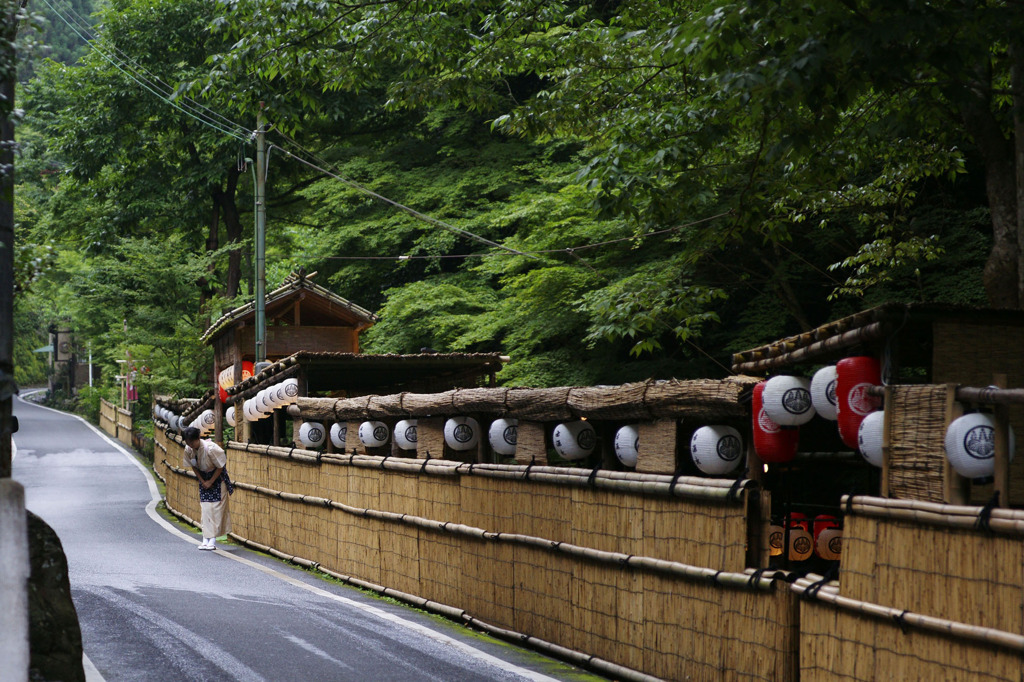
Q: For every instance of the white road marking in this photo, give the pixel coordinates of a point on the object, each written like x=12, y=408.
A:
x=91, y=673
x=371, y=610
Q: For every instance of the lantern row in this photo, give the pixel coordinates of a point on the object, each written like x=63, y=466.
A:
x=841, y=393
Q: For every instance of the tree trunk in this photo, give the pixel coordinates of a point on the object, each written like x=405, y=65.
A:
x=1001, y=276
x=1016, y=54
x=233, y=228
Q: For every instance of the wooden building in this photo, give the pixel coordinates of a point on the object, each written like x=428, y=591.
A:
x=301, y=315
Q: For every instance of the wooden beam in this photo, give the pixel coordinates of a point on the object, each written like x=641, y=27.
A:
x=957, y=489
x=1002, y=453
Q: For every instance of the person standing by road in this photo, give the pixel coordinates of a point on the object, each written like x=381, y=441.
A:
x=209, y=462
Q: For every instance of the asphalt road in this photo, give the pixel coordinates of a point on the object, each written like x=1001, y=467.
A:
x=153, y=608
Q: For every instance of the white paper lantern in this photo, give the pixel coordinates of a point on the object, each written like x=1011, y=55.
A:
x=273, y=398
x=627, y=445
x=869, y=437
x=229, y=415
x=503, y=436
x=574, y=440
x=280, y=399
x=823, y=393
x=787, y=400
x=179, y=423
x=339, y=435
x=207, y=421
x=290, y=390
x=461, y=433
x=312, y=434
x=263, y=402
x=373, y=434
x=971, y=445
x=405, y=434
x=716, y=449
x=249, y=412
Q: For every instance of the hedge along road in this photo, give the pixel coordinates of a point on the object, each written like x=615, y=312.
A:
x=151, y=607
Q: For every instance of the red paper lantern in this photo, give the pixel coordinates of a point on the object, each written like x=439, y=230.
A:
x=822, y=522
x=797, y=520
x=828, y=538
x=772, y=443
x=854, y=376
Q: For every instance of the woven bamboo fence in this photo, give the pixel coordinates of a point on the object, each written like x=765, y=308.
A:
x=643, y=571
x=846, y=640
x=927, y=591
x=936, y=559
x=108, y=417
x=124, y=426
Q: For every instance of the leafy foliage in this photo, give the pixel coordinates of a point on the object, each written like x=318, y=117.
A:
x=667, y=182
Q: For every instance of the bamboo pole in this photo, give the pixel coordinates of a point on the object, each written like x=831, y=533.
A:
x=867, y=501
x=1002, y=446
x=951, y=629
x=1002, y=520
x=887, y=417
x=871, y=332
x=956, y=488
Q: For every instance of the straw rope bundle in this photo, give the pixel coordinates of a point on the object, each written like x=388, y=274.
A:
x=430, y=437
x=657, y=447
x=701, y=399
x=487, y=400
x=430, y=404
x=379, y=407
x=610, y=402
x=539, y=404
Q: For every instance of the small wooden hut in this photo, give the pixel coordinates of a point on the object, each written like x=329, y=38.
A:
x=301, y=315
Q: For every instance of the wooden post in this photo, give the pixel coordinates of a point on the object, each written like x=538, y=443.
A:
x=218, y=407
x=755, y=466
x=957, y=489
x=1002, y=453
x=886, y=439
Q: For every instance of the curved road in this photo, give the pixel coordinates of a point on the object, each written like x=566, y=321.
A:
x=153, y=608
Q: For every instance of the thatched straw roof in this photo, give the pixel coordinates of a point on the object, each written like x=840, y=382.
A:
x=868, y=329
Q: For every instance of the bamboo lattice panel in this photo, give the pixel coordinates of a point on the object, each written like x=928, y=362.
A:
x=841, y=645
x=965, y=576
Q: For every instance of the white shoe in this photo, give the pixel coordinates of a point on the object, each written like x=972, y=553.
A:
x=206, y=544
x=212, y=544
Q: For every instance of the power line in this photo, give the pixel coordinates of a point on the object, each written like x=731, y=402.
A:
x=191, y=102
x=411, y=211
x=138, y=75
x=465, y=233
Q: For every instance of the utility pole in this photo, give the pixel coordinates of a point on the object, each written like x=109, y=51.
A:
x=261, y=239
x=8, y=75
x=14, y=542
